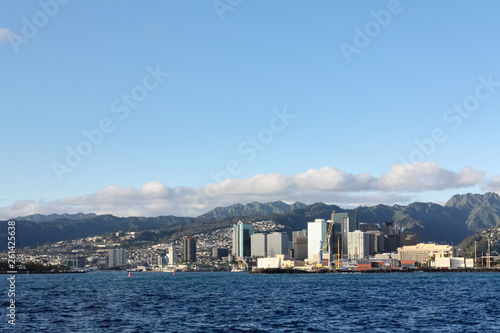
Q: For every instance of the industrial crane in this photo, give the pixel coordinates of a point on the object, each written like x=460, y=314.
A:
x=326, y=244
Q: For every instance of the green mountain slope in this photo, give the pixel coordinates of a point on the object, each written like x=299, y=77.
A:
x=478, y=242
x=461, y=217
x=481, y=210
x=252, y=209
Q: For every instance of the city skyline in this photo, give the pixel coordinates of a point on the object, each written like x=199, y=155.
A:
x=176, y=108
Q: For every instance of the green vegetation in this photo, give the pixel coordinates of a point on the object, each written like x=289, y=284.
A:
x=461, y=217
x=480, y=240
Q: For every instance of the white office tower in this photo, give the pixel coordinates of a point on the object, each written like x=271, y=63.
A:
x=316, y=235
x=172, y=255
x=358, y=243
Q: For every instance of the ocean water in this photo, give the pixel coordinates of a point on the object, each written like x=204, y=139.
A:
x=240, y=302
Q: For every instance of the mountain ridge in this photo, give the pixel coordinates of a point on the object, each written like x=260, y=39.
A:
x=459, y=218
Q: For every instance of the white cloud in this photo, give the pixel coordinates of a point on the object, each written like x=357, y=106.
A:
x=428, y=176
x=327, y=184
x=4, y=34
x=492, y=185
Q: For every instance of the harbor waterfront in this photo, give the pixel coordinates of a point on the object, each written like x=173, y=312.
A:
x=242, y=302
x=342, y=271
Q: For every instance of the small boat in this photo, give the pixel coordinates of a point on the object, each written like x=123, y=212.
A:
x=237, y=270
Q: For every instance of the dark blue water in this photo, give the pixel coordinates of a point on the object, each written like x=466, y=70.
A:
x=239, y=302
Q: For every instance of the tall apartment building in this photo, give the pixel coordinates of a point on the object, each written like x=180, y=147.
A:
x=117, y=257
x=189, y=249
x=359, y=245
x=172, y=255
x=241, y=239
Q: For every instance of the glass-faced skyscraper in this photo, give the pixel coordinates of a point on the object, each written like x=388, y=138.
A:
x=348, y=222
x=241, y=239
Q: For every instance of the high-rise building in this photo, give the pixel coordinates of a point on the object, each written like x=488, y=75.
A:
x=392, y=238
x=74, y=263
x=241, y=239
x=376, y=241
x=218, y=253
x=162, y=261
x=391, y=243
x=368, y=227
x=172, y=255
x=258, y=245
x=316, y=235
x=300, y=248
x=348, y=222
x=408, y=238
x=117, y=257
x=277, y=244
x=189, y=249
x=334, y=240
x=301, y=233
x=359, y=245
x=300, y=244
x=390, y=229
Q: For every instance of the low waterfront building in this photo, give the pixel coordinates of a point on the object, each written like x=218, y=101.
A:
x=453, y=262
x=422, y=252
x=269, y=263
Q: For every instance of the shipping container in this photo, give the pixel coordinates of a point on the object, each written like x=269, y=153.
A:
x=364, y=268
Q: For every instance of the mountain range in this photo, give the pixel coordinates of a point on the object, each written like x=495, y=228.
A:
x=460, y=217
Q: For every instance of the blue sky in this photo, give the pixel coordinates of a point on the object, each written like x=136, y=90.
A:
x=236, y=69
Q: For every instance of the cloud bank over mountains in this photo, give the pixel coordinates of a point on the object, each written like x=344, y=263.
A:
x=327, y=185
